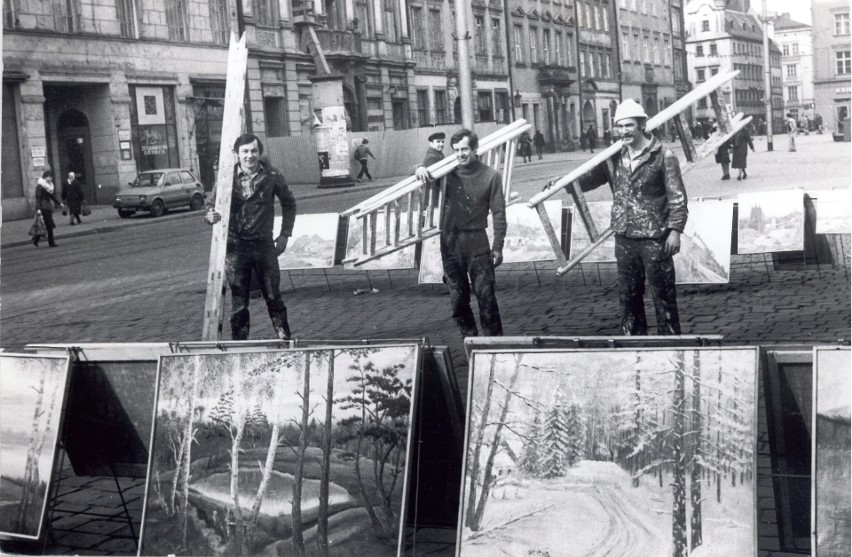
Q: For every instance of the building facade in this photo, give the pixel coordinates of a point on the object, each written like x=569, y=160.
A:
x=723, y=39
x=832, y=63
x=598, y=64
x=797, y=71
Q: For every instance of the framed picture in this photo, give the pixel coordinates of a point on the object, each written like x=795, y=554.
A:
x=400, y=259
x=312, y=244
x=601, y=212
x=771, y=221
x=705, y=245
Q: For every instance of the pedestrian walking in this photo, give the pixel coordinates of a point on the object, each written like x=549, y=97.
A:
x=45, y=193
x=525, y=145
x=361, y=154
x=591, y=138
x=723, y=157
x=607, y=138
x=251, y=244
x=649, y=212
x=742, y=143
x=538, y=141
x=72, y=195
x=792, y=131
x=472, y=191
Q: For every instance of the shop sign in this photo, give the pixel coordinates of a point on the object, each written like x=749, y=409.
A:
x=152, y=140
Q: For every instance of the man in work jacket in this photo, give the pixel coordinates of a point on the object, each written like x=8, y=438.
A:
x=251, y=244
x=648, y=216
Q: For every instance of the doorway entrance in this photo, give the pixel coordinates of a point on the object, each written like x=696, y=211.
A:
x=75, y=153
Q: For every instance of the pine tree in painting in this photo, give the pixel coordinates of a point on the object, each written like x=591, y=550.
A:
x=557, y=439
x=531, y=456
x=576, y=428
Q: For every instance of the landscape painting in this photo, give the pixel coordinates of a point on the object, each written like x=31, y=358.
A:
x=610, y=452
x=32, y=391
x=312, y=243
x=705, y=245
x=400, y=259
x=291, y=452
x=833, y=212
x=601, y=212
x=525, y=237
x=431, y=265
x=831, y=453
x=771, y=221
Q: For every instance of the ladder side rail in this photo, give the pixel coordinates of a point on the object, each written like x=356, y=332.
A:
x=685, y=137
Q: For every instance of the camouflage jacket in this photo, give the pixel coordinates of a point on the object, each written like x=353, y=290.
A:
x=650, y=199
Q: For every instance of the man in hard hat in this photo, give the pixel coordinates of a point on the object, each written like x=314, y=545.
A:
x=648, y=216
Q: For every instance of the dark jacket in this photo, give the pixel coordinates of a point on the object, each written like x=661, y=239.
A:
x=472, y=192
x=73, y=195
x=362, y=152
x=648, y=201
x=252, y=218
x=432, y=156
x=538, y=139
x=43, y=199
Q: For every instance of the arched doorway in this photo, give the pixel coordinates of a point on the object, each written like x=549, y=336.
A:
x=588, y=115
x=75, y=152
x=650, y=105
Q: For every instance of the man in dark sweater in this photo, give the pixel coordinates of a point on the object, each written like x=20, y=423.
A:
x=251, y=244
x=473, y=189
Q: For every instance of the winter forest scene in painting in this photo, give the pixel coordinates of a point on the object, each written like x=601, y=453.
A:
x=610, y=452
x=771, y=221
x=297, y=452
x=31, y=393
x=832, y=452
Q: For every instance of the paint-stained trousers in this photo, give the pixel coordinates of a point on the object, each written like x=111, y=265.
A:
x=466, y=257
x=243, y=257
x=638, y=258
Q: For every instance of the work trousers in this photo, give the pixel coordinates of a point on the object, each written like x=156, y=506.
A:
x=638, y=259
x=243, y=257
x=466, y=258
x=364, y=170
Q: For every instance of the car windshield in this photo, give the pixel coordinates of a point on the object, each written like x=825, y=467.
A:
x=147, y=179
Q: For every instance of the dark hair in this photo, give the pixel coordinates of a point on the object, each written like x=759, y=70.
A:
x=47, y=174
x=365, y=141
x=473, y=139
x=247, y=138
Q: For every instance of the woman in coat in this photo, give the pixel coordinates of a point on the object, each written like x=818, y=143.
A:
x=723, y=157
x=742, y=143
x=45, y=193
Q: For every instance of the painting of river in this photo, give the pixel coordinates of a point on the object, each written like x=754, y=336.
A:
x=32, y=389
x=289, y=452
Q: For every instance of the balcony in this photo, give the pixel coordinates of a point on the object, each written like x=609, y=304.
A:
x=339, y=43
x=551, y=74
x=430, y=60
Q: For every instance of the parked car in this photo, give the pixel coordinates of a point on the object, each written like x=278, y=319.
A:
x=157, y=191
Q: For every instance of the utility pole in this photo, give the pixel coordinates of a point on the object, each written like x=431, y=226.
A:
x=767, y=80
x=465, y=82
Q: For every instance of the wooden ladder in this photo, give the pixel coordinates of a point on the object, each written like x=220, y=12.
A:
x=727, y=127
x=412, y=210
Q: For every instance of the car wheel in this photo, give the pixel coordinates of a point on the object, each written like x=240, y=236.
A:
x=125, y=213
x=196, y=203
x=158, y=209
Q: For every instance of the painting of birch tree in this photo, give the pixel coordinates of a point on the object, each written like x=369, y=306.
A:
x=292, y=452
x=832, y=454
x=610, y=452
x=32, y=390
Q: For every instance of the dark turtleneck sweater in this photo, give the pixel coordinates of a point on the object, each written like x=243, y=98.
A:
x=472, y=191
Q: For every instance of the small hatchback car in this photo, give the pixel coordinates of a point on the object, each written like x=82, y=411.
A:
x=157, y=191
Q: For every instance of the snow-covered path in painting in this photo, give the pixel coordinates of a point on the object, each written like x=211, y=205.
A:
x=593, y=512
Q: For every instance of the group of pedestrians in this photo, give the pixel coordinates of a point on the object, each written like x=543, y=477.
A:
x=733, y=153
x=72, y=201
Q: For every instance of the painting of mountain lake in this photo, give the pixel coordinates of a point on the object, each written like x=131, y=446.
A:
x=831, y=453
x=312, y=244
x=32, y=390
x=431, y=265
x=771, y=221
x=400, y=259
x=705, y=245
x=832, y=212
x=289, y=452
x=525, y=237
x=583, y=453
x=601, y=212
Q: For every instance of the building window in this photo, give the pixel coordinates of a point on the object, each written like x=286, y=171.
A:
x=153, y=125
x=176, y=20
x=219, y=21
x=675, y=21
x=418, y=31
x=65, y=15
x=713, y=51
x=569, y=54
x=605, y=18
x=699, y=75
x=545, y=45
x=785, y=50
x=657, y=51
x=597, y=17
x=795, y=49
x=423, y=107
x=518, y=33
x=843, y=62
x=841, y=24
x=625, y=46
x=584, y=64
x=10, y=17
x=441, y=107
x=436, y=30
x=699, y=51
x=606, y=69
x=504, y=115
x=533, y=45
x=646, y=49
x=558, y=48
x=714, y=71
x=486, y=109
x=275, y=112
x=126, y=11
x=365, y=24
x=496, y=41
x=791, y=70
x=479, y=35
x=667, y=53
x=793, y=93
x=677, y=59
x=391, y=23
x=705, y=25
x=264, y=13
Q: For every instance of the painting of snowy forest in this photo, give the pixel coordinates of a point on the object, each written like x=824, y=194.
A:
x=32, y=389
x=610, y=452
x=831, y=453
x=291, y=452
x=601, y=212
x=705, y=254
x=400, y=259
x=312, y=243
x=771, y=221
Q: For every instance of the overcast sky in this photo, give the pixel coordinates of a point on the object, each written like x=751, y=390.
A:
x=800, y=10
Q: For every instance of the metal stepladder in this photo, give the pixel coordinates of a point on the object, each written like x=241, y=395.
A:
x=727, y=127
x=412, y=210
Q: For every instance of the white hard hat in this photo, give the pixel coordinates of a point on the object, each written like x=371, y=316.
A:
x=629, y=109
